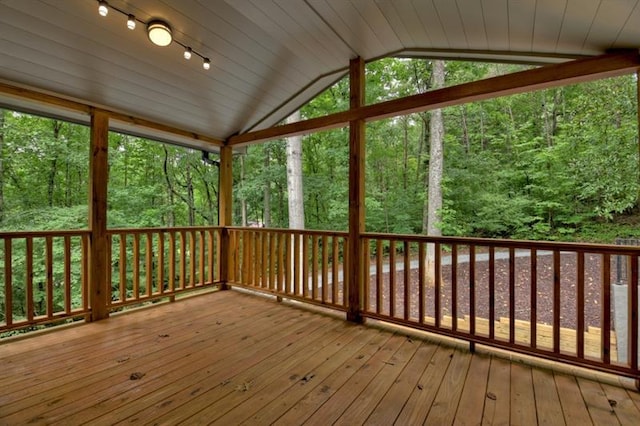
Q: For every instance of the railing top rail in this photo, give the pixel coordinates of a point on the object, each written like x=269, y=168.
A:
x=518, y=244
x=116, y=231
x=289, y=231
x=37, y=234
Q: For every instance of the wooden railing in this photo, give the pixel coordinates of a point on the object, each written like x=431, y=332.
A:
x=301, y=265
x=551, y=300
x=154, y=263
x=43, y=277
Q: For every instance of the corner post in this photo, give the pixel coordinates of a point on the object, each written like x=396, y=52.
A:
x=355, y=275
x=98, y=244
x=225, y=215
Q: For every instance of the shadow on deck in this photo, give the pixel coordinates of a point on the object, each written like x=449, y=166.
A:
x=230, y=358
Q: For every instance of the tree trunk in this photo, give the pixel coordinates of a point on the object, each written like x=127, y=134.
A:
x=243, y=197
x=171, y=218
x=296, y=194
x=294, y=178
x=57, y=126
x=431, y=216
x=266, y=217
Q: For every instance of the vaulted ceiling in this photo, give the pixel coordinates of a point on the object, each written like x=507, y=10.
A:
x=271, y=56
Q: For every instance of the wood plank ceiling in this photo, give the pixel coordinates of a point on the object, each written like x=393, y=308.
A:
x=271, y=56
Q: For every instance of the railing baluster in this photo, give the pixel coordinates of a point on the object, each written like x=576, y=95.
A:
x=29, y=276
x=556, y=301
x=122, y=266
x=366, y=253
x=314, y=267
x=49, y=274
x=407, y=281
x=472, y=289
x=296, y=264
x=580, y=306
x=335, y=263
x=183, y=260
x=149, y=263
x=325, y=268
x=201, y=256
x=288, y=270
x=210, y=256
x=492, y=292
x=392, y=278
x=437, y=272
x=421, y=272
x=172, y=261
x=84, y=272
x=282, y=249
x=160, y=281
x=305, y=266
x=379, y=275
x=67, y=273
x=193, y=256
x=606, y=308
x=264, y=263
x=136, y=266
x=454, y=287
x=533, y=286
x=272, y=261
x=512, y=295
x=633, y=309
x=8, y=282
x=251, y=256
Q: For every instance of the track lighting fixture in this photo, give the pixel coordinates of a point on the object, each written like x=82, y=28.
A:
x=103, y=8
x=158, y=31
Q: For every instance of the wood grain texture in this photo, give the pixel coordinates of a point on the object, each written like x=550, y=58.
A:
x=229, y=357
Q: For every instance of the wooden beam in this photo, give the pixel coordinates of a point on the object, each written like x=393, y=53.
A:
x=98, y=177
x=225, y=211
x=580, y=70
x=356, y=191
x=60, y=102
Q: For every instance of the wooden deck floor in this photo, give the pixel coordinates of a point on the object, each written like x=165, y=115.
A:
x=230, y=358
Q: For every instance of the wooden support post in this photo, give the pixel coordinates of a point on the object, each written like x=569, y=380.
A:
x=98, y=177
x=356, y=192
x=225, y=212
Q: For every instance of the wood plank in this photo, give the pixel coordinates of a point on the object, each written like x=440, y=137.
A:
x=597, y=402
x=373, y=393
x=389, y=407
x=523, y=406
x=497, y=407
x=302, y=387
x=573, y=406
x=548, y=406
x=327, y=388
x=419, y=403
x=579, y=70
x=443, y=410
x=340, y=401
x=297, y=372
x=621, y=404
x=471, y=407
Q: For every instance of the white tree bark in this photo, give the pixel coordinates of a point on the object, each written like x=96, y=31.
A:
x=432, y=217
x=294, y=178
x=295, y=199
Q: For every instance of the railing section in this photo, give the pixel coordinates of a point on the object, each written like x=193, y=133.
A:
x=295, y=264
x=43, y=277
x=560, y=301
x=148, y=264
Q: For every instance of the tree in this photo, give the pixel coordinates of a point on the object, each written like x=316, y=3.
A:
x=294, y=178
x=432, y=217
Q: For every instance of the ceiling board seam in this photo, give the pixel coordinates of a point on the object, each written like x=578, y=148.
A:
x=564, y=17
x=622, y=27
x=322, y=18
x=464, y=30
x=595, y=15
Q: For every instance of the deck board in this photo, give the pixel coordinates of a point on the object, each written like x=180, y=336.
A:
x=235, y=358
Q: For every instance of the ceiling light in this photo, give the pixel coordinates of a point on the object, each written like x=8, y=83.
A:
x=206, y=64
x=187, y=53
x=103, y=8
x=131, y=22
x=159, y=33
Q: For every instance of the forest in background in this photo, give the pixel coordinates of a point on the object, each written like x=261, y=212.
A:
x=557, y=164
